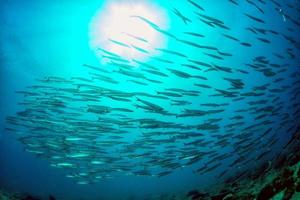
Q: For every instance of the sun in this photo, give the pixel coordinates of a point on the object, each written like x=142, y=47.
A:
x=117, y=28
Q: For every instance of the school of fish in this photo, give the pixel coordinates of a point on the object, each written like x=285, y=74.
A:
x=207, y=113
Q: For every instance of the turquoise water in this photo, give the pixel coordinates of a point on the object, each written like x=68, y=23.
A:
x=215, y=98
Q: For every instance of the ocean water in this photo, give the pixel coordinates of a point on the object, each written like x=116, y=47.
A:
x=145, y=99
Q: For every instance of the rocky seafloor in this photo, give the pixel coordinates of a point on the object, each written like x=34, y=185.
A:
x=278, y=179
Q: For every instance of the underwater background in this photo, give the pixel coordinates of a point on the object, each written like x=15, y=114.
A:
x=145, y=99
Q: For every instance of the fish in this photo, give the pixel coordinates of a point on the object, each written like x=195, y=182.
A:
x=255, y=18
x=196, y=5
x=179, y=73
x=152, y=24
x=170, y=94
x=137, y=38
x=231, y=37
x=155, y=72
x=179, y=14
x=119, y=43
x=142, y=50
x=194, y=34
x=149, y=104
x=171, y=52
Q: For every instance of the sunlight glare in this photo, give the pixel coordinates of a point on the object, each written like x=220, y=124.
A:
x=115, y=29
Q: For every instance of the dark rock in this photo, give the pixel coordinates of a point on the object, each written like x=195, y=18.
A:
x=219, y=196
x=261, y=171
x=280, y=162
x=192, y=192
x=298, y=187
x=288, y=183
x=52, y=198
x=29, y=197
x=266, y=193
x=288, y=194
x=277, y=184
x=244, y=197
x=195, y=195
x=287, y=173
x=293, y=160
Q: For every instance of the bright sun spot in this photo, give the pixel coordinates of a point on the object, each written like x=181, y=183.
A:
x=118, y=28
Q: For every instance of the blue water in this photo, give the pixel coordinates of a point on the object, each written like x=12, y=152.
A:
x=52, y=38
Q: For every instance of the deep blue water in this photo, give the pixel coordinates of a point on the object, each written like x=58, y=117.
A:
x=52, y=38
